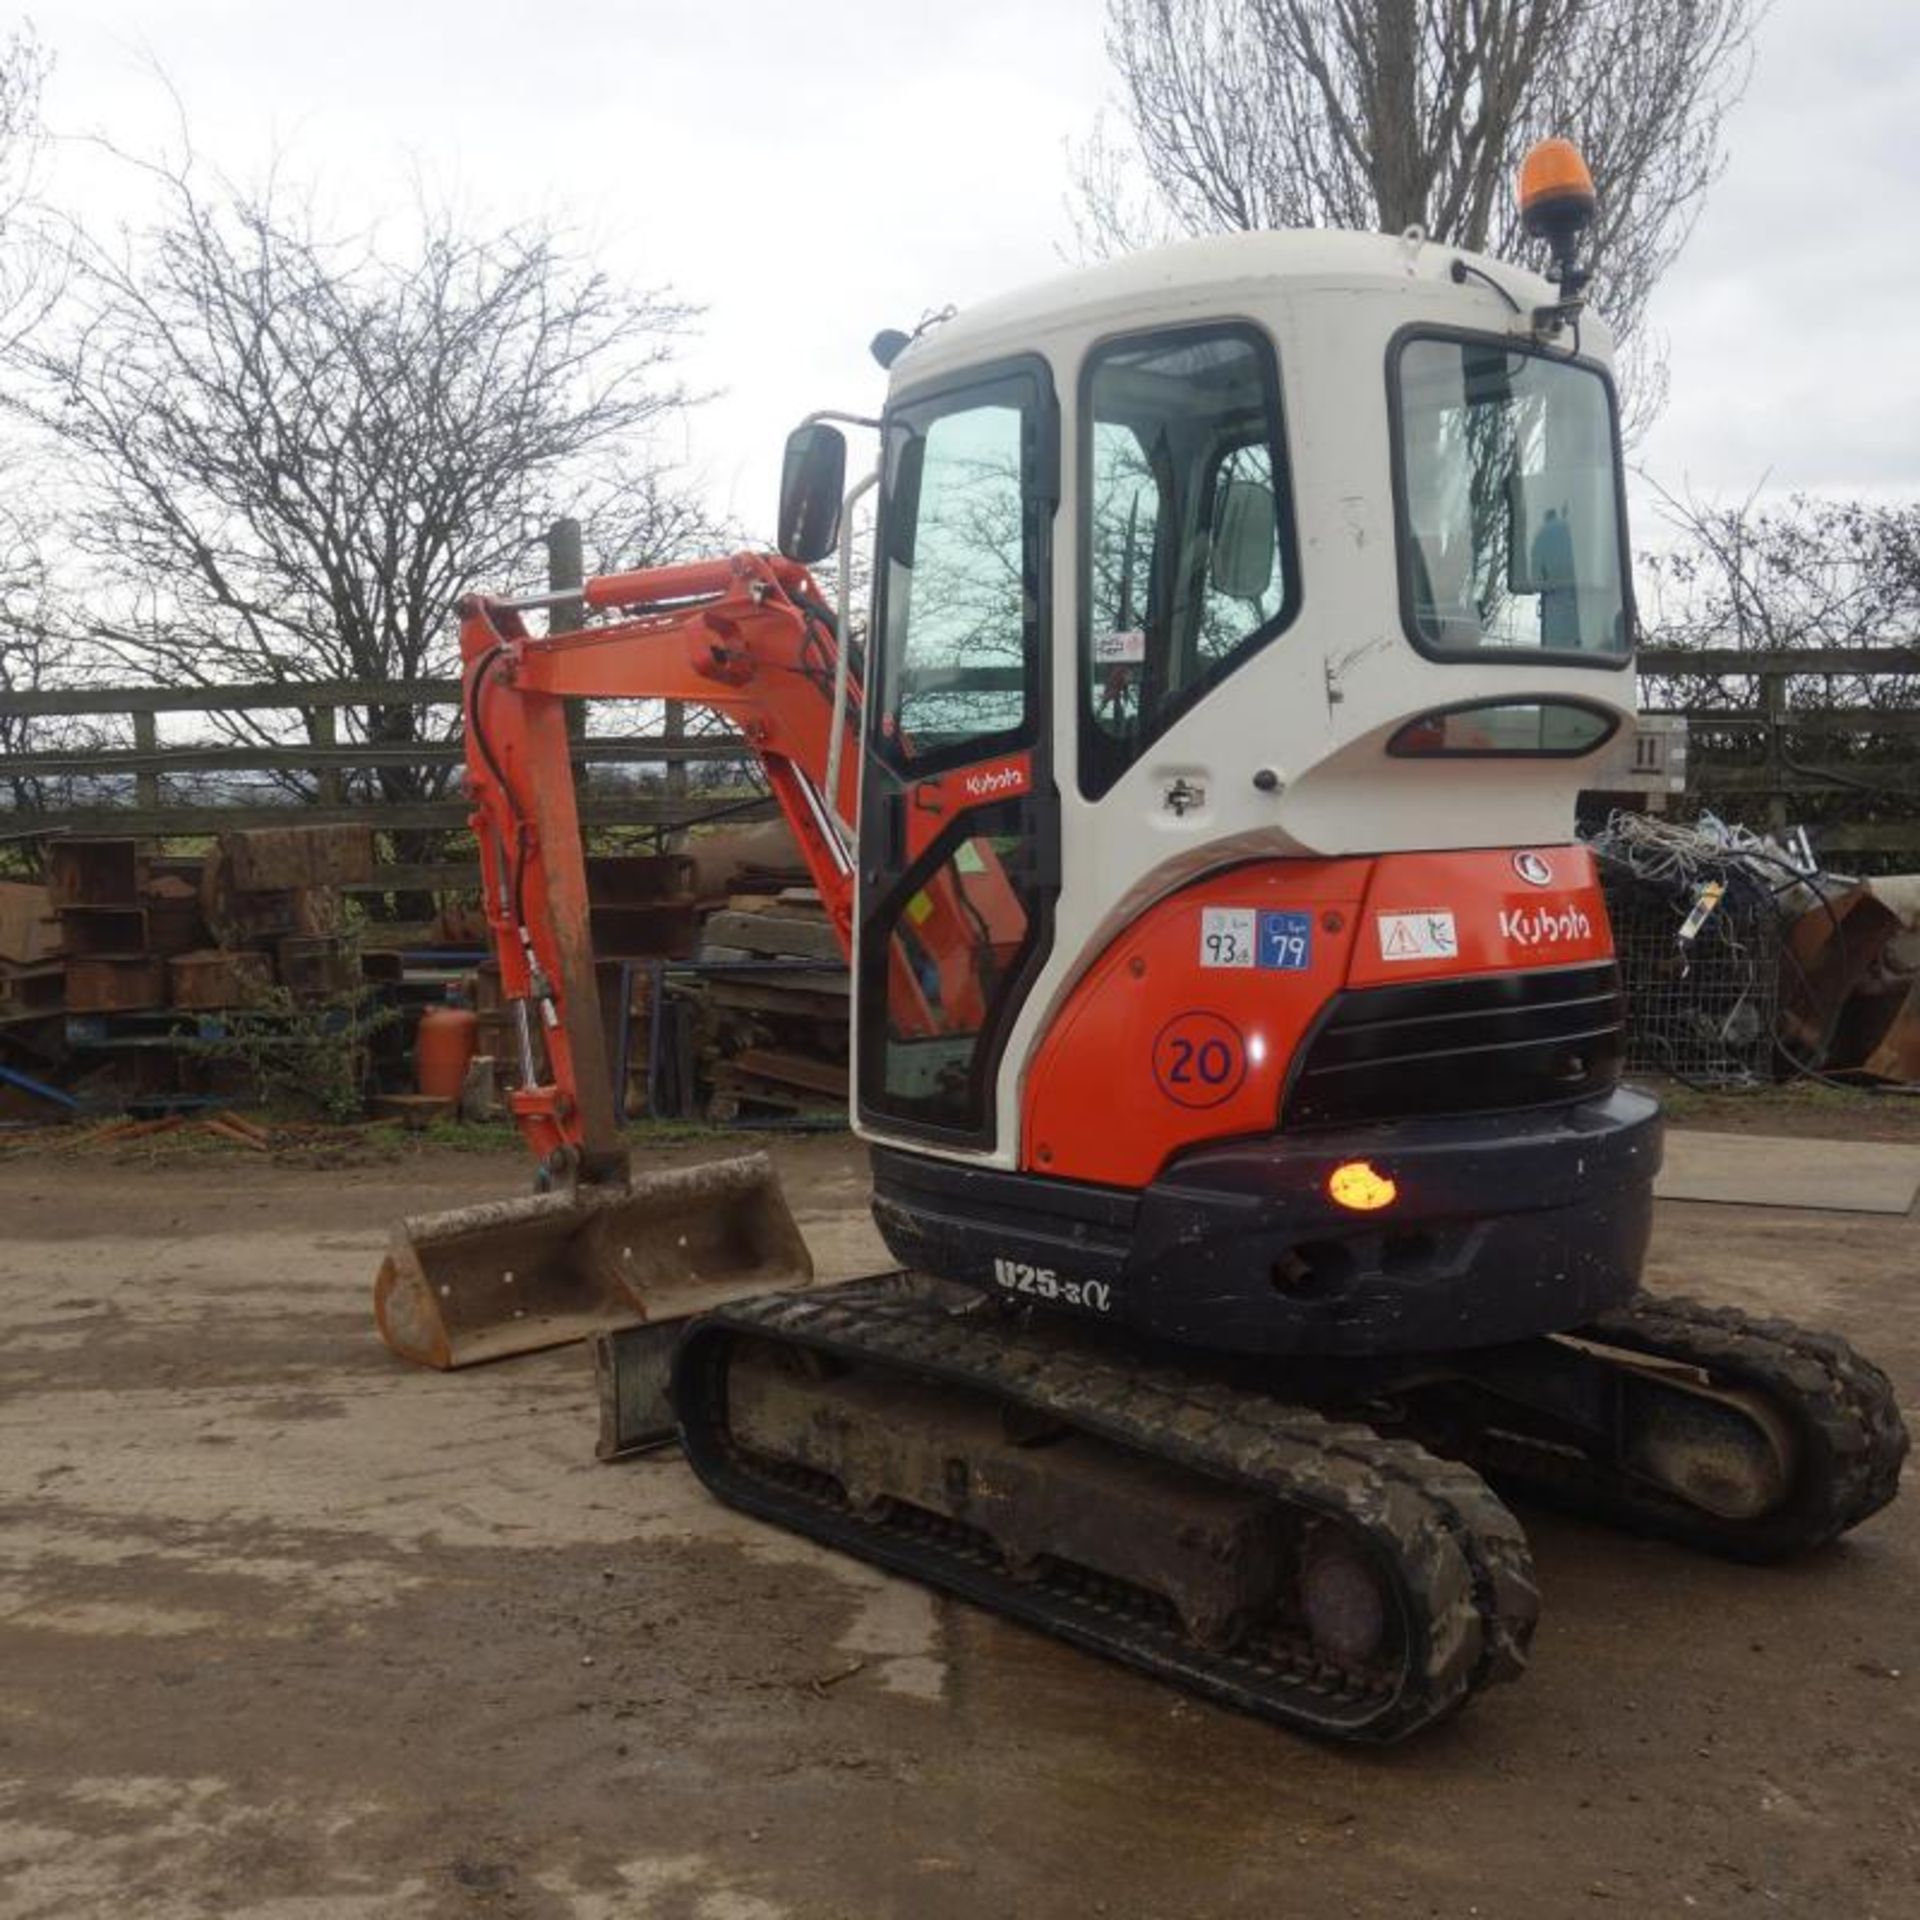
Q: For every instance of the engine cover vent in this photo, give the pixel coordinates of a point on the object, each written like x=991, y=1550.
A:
x=1481, y=1044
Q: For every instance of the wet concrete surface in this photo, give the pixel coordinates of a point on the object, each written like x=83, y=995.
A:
x=289, y=1630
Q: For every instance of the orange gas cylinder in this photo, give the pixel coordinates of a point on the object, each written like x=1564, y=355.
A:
x=443, y=1050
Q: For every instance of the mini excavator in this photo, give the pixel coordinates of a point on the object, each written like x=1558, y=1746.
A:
x=1237, y=1032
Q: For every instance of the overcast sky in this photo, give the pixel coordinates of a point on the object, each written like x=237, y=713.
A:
x=809, y=174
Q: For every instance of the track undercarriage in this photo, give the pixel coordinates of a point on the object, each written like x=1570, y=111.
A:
x=1333, y=1561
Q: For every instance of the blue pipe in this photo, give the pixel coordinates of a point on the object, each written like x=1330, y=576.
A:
x=39, y=1087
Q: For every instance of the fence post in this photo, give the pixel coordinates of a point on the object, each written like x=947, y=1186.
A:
x=146, y=739
x=323, y=730
x=675, y=728
x=1773, y=693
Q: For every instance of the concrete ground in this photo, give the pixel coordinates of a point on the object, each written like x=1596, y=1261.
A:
x=288, y=1631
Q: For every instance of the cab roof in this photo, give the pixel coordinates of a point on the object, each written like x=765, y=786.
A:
x=1221, y=274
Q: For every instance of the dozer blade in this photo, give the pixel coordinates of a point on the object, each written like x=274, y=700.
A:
x=511, y=1276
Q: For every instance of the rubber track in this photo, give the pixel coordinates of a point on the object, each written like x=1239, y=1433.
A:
x=1467, y=1595
x=1840, y=1407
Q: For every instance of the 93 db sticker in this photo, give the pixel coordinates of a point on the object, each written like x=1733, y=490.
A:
x=1199, y=1059
x=1227, y=936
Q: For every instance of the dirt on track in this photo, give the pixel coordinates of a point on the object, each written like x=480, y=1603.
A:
x=291, y=1631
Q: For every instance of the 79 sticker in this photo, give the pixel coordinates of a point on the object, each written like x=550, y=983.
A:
x=1199, y=1059
x=1286, y=942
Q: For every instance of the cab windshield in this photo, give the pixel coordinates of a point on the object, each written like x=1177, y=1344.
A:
x=1510, y=531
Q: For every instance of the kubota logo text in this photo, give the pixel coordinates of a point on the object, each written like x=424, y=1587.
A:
x=987, y=785
x=1544, y=926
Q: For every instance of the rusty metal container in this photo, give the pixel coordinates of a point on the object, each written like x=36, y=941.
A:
x=174, y=923
x=95, y=873
x=104, y=932
x=272, y=859
x=638, y=879
x=116, y=986
x=641, y=904
x=25, y=991
x=215, y=978
x=317, y=966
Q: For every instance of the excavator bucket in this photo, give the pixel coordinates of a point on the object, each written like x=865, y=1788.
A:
x=511, y=1276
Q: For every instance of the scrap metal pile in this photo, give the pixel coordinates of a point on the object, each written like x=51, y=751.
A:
x=1745, y=962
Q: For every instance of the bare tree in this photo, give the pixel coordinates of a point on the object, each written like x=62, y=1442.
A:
x=292, y=451
x=1803, y=575
x=1387, y=114
x=1811, y=574
x=27, y=263
x=32, y=655
x=28, y=651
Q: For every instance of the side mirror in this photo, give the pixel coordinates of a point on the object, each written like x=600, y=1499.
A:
x=813, y=481
x=1245, y=540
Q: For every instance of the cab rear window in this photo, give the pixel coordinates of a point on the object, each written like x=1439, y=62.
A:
x=1508, y=488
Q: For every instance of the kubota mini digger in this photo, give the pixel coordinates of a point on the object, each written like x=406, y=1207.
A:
x=1237, y=1030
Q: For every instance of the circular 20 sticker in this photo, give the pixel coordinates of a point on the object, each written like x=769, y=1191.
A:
x=1199, y=1059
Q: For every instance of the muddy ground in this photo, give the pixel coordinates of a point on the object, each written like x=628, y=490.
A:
x=288, y=1630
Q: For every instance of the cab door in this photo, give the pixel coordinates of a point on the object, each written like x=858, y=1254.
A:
x=959, y=817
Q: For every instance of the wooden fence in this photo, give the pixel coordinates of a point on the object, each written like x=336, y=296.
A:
x=1785, y=740
x=147, y=768
x=1778, y=742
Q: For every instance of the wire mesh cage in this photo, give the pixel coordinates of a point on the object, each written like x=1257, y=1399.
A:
x=1699, y=941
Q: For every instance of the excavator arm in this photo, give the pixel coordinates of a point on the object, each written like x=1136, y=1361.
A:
x=748, y=637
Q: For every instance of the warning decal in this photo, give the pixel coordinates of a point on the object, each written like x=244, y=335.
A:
x=1418, y=936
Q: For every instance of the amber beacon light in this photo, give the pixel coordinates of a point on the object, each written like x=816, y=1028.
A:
x=1557, y=205
x=1360, y=1187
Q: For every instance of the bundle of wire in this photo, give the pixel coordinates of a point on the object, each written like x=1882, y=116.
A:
x=1700, y=911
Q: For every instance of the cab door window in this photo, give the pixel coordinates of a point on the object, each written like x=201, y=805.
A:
x=960, y=592
x=959, y=828
x=1187, y=540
